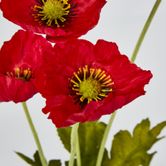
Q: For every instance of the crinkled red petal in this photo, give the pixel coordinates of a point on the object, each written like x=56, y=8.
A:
x=60, y=65
x=129, y=81
x=25, y=50
x=83, y=17
x=15, y=90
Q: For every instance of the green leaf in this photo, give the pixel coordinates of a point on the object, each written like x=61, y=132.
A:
x=37, y=161
x=132, y=149
x=33, y=162
x=54, y=163
x=67, y=163
x=64, y=134
x=90, y=137
x=155, y=131
x=127, y=149
x=25, y=158
x=106, y=160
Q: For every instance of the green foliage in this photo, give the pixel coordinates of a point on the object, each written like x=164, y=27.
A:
x=64, y=134
x=132, y=149
x=54, y=163
x=90, y=137
x=25, y=158
x=33, y=162
x=127, y=149
x=36, y=160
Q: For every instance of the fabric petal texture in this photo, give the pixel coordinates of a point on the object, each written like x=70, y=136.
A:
x=81, y=81
x=58, y=19
x=20, y=58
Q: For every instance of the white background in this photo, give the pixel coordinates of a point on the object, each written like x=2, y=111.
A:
x=121, y=21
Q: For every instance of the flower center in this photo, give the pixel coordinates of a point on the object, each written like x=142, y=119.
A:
x=52, y=12
x=89, y=84
x=19, y=73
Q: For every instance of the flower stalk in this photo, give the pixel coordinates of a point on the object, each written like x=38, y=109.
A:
x=144, y=30
x=78, y=155
x=75, y=149
x=104, y=139
x=133, y=58
x=34, y=133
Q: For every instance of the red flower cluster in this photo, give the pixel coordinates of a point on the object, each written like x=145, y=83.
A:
x=55, y=18
x=82, y=81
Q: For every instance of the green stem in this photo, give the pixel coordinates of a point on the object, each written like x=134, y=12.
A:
x=133, y=58
x=36, y=138
x=104, y=139
x=74, y=141
x=78, y=150
x=144, y=30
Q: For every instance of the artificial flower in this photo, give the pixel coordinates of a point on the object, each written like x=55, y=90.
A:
x=59, y=19
x=20, y=58
x=81, y=81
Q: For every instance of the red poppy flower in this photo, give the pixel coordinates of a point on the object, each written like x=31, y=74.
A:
x=86, y=81
x=56, y=18
x=19, y=60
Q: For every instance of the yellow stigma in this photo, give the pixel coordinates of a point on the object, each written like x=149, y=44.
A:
x=91, y=84
x=19, y=73
x=52, y=12
x=89, y=89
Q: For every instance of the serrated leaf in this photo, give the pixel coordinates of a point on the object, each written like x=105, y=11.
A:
x=132, y=149
x=142, y=135
x=33, y=162
x=37, y=161
x=127, y=149
x=106, y=160
x=64, y=134
x=141, y=129
x=90, y=137
x=25, y=158
x=157, y=129
x=54, y=163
